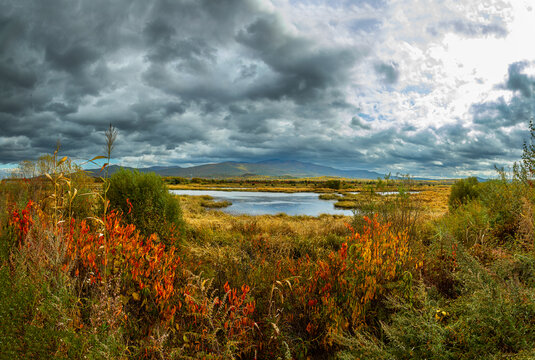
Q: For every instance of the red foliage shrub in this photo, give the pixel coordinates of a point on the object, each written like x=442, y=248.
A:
x=337, y=291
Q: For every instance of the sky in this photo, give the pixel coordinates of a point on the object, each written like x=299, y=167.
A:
x=437, y=88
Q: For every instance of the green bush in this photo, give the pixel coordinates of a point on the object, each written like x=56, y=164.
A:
x=333, y=184
x=503, y=199
x=463, y=191
x=491, y=319
x=415, y=331
x=469, y=224
x=400, y=209
x=146, y=202
x=35, y=316
x=494, y=316
x=491, y=210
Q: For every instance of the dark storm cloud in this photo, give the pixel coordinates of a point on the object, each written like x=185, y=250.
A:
x=518, y=109
x=12, y=75
x=389, y=73
x=357, y=122
x=192, y=54
x=302, y=71
x=64, y=63
x=502, y=113
x=61, y=80
x=517, y=81
x=53, y=56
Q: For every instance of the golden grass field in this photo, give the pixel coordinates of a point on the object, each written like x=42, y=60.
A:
x=432, y=198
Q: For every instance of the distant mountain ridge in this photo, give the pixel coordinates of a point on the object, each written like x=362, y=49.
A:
x=272, y=168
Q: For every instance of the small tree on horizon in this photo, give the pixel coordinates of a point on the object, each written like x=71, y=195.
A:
x=525, y=169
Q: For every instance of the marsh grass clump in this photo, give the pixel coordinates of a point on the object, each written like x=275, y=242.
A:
x=329, y=196
x=346, y=204
x=209, y=202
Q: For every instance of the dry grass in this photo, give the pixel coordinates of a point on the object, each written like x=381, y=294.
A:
x=346, y=204
x=434, y=199
x=317, y=186
x=257, y=187
x=275, y=225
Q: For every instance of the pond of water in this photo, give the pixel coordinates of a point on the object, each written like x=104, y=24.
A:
x=271, y=203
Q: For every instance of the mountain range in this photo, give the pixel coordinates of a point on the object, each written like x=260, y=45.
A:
x=271, y=168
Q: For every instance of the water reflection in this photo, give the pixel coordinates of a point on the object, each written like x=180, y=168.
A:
x=270, y=203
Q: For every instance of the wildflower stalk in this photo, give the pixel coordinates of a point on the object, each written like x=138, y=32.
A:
x=111, y=136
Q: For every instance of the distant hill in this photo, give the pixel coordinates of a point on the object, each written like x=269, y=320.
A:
x=272, y=168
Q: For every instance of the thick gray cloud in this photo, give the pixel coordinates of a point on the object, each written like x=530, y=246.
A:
x=495, y=27
x=517, y=81
x=359, y=123
x=301, y=72
x=199, y=81
x=388, y=72
x=155, y=70
x=519, y=109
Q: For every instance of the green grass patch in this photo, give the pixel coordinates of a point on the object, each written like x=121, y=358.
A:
x=329, y=197
x=346, y=204
x=212, y=204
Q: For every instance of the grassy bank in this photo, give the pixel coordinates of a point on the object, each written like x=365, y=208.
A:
x=319, y=185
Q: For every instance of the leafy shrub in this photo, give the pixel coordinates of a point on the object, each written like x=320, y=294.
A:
x=463, y=191
x=333, y=184
x=504, y=201
x=491, y=319
x=146, y=202
x=176, y=180
x=440, y=266
x=219, y=327
x=39, y=307
x=342, y=289
x=416, y=330
x=133, y=288
x=494, y=315
x=469, y=224
x=400, y=209
x=147, y=271
x=524, y=171
x=496, y=211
